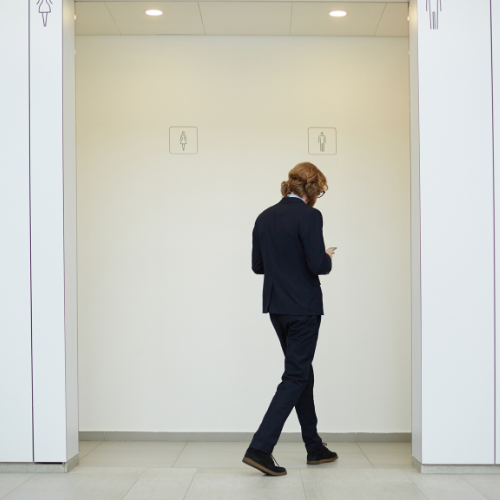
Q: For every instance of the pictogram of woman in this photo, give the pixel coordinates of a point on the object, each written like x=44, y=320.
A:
x=44, y=9
x=183, y=140
x=433, y=12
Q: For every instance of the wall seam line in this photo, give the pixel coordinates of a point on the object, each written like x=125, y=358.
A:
x=29, y=218
x=494, y=248
x=63, y=7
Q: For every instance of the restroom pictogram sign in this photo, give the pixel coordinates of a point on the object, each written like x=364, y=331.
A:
x=322, y=140
x=183, y=140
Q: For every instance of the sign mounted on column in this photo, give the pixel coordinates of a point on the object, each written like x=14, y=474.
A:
x=433, y=7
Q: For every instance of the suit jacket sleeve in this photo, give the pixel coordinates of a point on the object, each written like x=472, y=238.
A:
x=257, y=262
x=311, y=236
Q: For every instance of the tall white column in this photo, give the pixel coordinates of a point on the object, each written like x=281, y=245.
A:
x=453, y=310
x=16, y=438
x=53, y=231
x=38, y=383
x=495, y=37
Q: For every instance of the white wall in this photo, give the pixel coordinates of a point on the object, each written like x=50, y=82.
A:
x=171, y=334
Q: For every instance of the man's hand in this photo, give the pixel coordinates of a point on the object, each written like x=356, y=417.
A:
x=330, y=252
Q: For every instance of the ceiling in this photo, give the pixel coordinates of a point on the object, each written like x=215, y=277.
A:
x=368, y=18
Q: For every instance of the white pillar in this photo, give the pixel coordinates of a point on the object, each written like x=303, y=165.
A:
x=41, y=175
x=453, y=310
x=16, y=439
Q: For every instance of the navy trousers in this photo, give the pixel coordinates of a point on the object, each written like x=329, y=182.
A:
x=298, y=336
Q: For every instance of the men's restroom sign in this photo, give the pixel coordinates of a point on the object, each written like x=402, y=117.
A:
x=183, y=140
x=322, y=140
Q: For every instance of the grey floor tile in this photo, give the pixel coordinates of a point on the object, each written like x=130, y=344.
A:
x=385, y=460
x=129, y=459
x=108, y=470
x=236, y=484
x=346, y=460
x=357, y=476
x=377, y=484
x=445, y=486
x=212, y=455
x=86, y=447
x=487, y=484
x=385, y=447
x=154, y=446
x=63, y=486
x=299, y=447
x=9, y=481
x=161, y=484
x=223, y=446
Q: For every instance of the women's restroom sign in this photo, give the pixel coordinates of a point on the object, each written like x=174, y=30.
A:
x=44, y=9
x=322, y=140
x=183, y=140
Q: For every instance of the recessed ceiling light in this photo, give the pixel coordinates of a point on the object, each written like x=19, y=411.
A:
x=338, y=13
x=154, y=12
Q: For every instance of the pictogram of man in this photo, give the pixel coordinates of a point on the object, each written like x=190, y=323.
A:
x=322, y=141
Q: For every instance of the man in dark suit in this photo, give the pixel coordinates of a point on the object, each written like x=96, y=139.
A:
x=289, y=250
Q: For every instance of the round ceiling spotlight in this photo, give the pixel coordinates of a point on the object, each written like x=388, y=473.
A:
x=338, y=13
x=154, y=12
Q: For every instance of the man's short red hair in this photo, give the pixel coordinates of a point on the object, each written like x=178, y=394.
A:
x=305, y=179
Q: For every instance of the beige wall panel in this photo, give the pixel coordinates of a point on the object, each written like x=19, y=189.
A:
x=170, y=322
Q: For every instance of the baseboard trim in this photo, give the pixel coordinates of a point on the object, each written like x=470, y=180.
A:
x=333, y=437
x=27, y=467
x=454, y=469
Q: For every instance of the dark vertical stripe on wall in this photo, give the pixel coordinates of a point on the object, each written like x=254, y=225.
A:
x=29, y=215
x=494, y=252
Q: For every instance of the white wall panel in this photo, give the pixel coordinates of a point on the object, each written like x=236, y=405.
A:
x=70, y=250
x=495, y=35
x=15, y=308
x=416, y=318
x=50, y=352
x=161, y=322
x=456, y=192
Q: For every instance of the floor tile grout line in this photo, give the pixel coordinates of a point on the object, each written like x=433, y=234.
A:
x=303, y=485
x=416, y=485
x=190, y=482
x=133, y=484
x=468, y=482
x=19, y=485
x=369, y=461
x=178, y=456
x=93, y=449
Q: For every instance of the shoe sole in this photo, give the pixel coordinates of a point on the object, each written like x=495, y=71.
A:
x=257, y=466
x=324, y=461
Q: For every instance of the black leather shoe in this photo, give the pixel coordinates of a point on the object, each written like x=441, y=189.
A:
x=264, y=462
x=321, y=456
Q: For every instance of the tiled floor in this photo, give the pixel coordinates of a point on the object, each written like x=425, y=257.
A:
x=145, y=470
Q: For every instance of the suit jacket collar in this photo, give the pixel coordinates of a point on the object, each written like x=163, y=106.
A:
x=291, y=199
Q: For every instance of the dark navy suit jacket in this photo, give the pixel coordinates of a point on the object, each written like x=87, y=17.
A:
x=289, y=250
